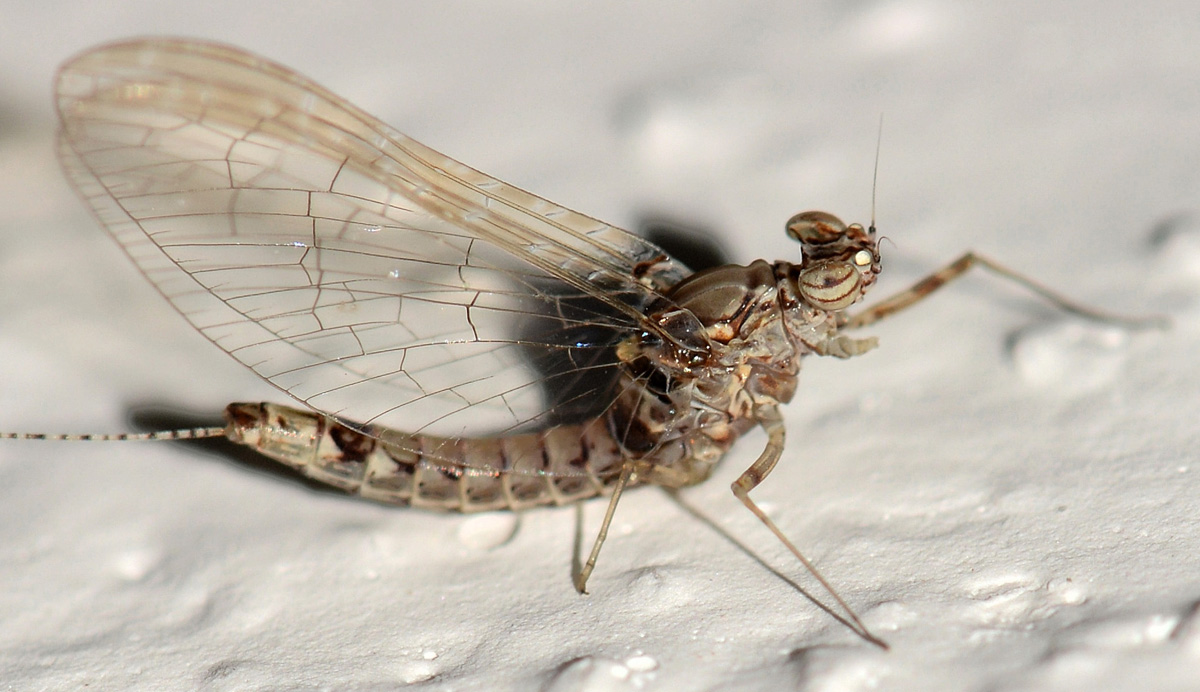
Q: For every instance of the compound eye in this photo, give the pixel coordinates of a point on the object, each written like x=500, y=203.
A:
x=863, y=258
x=831, y=286
x=815, y=226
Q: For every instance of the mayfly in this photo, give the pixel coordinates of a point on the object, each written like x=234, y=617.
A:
x=456, y=343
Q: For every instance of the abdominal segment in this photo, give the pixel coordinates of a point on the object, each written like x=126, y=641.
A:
x=557, y=466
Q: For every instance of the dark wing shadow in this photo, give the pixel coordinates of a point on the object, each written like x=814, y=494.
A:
x=693, y=244
x=571, y=342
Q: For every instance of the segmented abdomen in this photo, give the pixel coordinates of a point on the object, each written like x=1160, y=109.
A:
x=557, y=466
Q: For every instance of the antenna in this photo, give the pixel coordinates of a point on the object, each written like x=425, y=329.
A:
x=875, y=174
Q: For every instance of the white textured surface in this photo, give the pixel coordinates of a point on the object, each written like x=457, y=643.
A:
x=1010, y=497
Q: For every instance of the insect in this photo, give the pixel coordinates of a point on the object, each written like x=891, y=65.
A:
x=456, y=343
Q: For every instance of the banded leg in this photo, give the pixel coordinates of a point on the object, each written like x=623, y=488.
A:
x=586, y=571
x=772, y=423
x=960, y=266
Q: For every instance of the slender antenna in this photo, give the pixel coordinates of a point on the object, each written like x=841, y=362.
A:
x=184, y=434
x=875, y=174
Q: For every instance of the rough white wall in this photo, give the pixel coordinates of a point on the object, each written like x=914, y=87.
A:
x=1008, y=495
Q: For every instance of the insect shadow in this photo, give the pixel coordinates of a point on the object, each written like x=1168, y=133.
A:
x=151, y=416
x=696, y=514
x=693, y=244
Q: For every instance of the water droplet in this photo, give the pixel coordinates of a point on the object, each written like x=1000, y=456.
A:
x=1069, y=356
x=641, y=664
x=487, y=531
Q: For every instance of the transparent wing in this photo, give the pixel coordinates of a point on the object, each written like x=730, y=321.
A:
x=365, y=274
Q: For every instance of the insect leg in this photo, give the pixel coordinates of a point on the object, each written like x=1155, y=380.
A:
x=960, y=266
x=772, y=424
x=586, y=571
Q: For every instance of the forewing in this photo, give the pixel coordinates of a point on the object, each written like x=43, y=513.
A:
x=365, y=274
